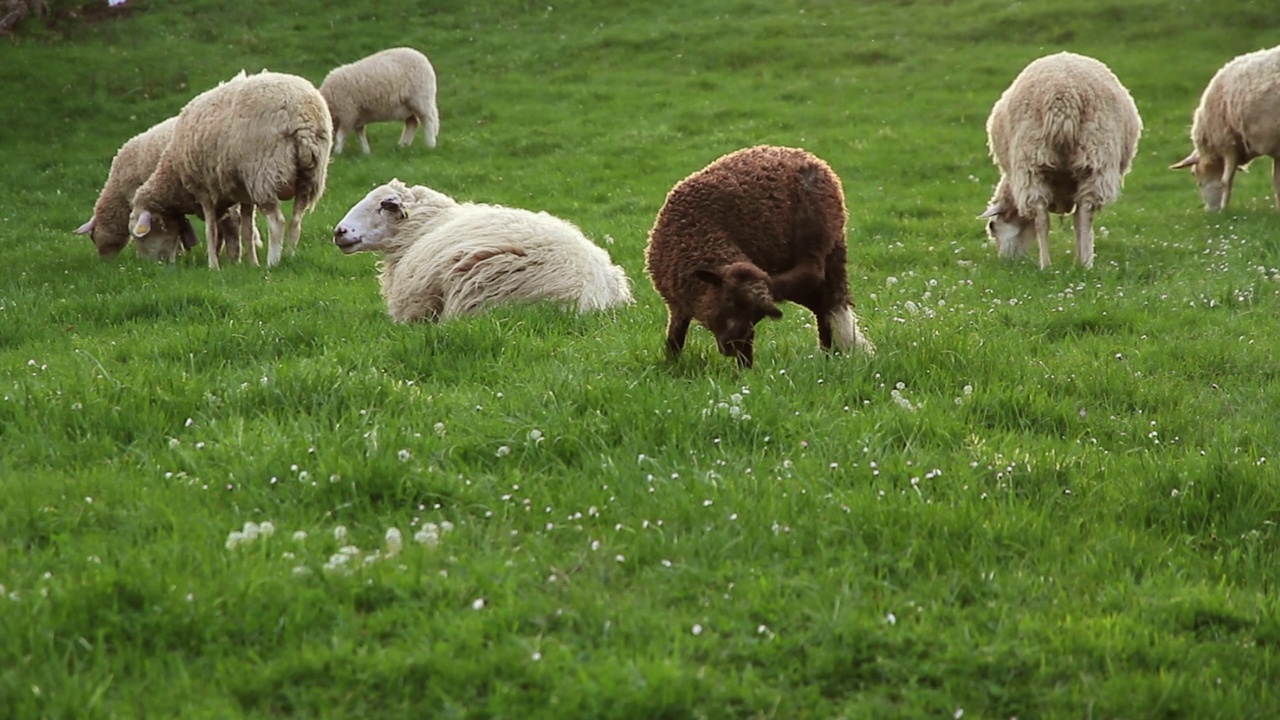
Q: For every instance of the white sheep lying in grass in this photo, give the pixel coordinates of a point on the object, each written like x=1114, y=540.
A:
x=132, y=165
x=444, y=259
x=1238, y=119
x=251, y=141
x=395, y=84
x=1063, y=135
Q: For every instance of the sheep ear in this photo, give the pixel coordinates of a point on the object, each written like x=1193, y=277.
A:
x=143, y=226
x=990, y=212
x=392, y=205
x=1188, y=161
x=187, y=234
x=709, y=276
x=86, y=228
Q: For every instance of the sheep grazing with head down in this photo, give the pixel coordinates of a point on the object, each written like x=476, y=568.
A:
x=1238, y=119
x=254, y=140
x=758, y=226
x=395, y=84
x=132, y=165
x=1063, y=135
x=444, y=259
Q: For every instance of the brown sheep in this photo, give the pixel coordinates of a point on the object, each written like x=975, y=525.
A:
x=758, y=226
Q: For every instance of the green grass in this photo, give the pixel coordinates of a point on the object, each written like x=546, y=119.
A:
x=1051, y=495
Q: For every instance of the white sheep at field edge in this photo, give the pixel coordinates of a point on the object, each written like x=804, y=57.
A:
x=1238, y=119
x=394, y=84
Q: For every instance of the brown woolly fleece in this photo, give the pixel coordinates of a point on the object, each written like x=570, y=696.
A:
x=757, y=226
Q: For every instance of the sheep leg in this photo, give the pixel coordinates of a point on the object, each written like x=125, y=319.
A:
x=410, y=129
x=677, y=331
x=295, y=223
x=211, y=232
x=364, y=141
x=247, y=232
x=745, y=352
x=1042, y=234
x=1275, y=180
x=340, y=140
x=1228, y=177
x=275, y=234
x=1084, y=233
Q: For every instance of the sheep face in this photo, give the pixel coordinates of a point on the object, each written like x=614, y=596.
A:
x=738, y=296
x=1209, y=177
x=1011, y=232
x=108, y=244
x=374, y=223
x=160, y=237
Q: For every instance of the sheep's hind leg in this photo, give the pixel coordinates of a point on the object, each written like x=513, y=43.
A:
x=364, y=140
x=340, y=139
x=410, y=129
x=1084, y=233
x=677, y=331
x=211, y=233
x=275, y=234
x=1042, y=234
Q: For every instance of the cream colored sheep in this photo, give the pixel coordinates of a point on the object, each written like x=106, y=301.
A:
x=444, y=259
x=1063, y=135
x=251, y=141
x=132, y=165
x=395, y=84
x=1238, y=119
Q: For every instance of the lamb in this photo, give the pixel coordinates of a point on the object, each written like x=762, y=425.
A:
x=395, y=84
x=252, y=141
x=1238, y=119
x=1063, y=135
x=132, y=165
x=445, y=259
x=757, y=226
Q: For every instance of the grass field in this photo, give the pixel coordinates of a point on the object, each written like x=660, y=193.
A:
x=1050, y=495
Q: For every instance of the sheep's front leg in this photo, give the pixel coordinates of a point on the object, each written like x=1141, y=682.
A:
x=1084, y=233
x=275, y=234
x=1042, y=234
x=677, y=331
x=1228, y=178
x=340, y=140
x=410, y=129
x=247, y=232
x=364, y=140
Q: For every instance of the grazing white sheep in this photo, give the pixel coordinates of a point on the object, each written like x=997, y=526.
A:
x=395, y=84
x=1238, y=119
x=757, y=226
x=444, y=259
x=251, y=141
x=132, y=165
x=1063, y=135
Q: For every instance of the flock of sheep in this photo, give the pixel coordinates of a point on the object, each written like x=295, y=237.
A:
x=756, y=227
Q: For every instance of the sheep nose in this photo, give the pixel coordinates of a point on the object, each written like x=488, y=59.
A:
x=339, y=233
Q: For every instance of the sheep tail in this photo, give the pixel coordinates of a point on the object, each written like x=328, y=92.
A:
x=312, y=158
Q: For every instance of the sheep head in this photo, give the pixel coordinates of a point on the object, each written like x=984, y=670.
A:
x=1011, y=232
x=738, y=296
x=108, y=244
x=374, y=223
x=160, y=236
x=1211, y=177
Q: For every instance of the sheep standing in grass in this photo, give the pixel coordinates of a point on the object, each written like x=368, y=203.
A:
x=395, y=84
x=1238, y=119
x=132, y=165
x=444, y=259
x=251, y=141
x=1063, y=135
x=755, y=227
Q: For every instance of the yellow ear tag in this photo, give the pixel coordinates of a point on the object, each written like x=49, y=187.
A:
x=141, y=229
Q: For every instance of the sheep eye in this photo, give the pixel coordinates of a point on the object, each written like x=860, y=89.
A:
x=390, y=206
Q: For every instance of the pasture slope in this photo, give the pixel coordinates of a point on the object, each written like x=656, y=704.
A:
x=1050, y=495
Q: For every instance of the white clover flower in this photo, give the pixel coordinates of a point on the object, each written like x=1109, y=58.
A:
x=266, y=528
x=340, y=533
x=446, y=526
x=300, y=536
x=301, y=571
x=696, y=629
x=427, y=537
x=535, y=435
x=234, y=539
x=503, y=451
x=404, y=455
x=394, y=541
x=478, y=604
x=251, y=530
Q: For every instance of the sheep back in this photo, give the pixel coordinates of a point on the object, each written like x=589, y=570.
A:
x=1066, y=122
